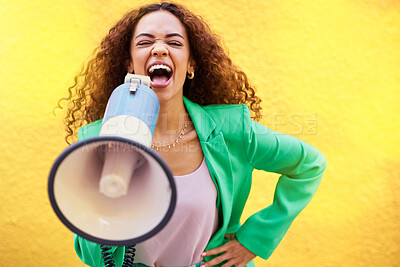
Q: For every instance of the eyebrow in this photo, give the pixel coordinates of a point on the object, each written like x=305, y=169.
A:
x=166, y=36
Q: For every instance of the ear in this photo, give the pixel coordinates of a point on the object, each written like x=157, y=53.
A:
x=191, y=66
x=130, y=67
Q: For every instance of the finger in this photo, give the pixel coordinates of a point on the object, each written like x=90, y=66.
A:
x=214, y=251
x=215, y=261
x=229, y=264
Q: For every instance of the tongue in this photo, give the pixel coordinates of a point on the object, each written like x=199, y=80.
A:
x=160, y=79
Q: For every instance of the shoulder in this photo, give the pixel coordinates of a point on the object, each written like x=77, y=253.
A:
x=231, y=120
x=224, y=108
x=217, y=114
x=228, y=113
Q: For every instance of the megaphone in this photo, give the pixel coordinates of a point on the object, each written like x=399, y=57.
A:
x=114, y=189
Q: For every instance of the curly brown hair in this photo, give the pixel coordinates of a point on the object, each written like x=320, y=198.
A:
x=217, y=80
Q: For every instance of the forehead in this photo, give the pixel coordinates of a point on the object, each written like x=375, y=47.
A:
x=160, y=23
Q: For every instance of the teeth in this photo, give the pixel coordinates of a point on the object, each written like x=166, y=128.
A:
x=157, y=67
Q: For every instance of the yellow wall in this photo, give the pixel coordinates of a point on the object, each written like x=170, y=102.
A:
x=328, y=73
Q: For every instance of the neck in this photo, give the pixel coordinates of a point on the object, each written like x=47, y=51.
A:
x=171, y=118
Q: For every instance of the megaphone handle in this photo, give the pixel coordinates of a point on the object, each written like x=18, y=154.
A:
x=109, y=260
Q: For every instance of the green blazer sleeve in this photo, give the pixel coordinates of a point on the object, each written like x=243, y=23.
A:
x=301, y=166
x=90, y=252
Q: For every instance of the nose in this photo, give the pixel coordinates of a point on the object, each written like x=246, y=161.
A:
x=159, y=49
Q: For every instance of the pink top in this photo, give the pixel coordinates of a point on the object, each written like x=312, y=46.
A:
x=194, y=221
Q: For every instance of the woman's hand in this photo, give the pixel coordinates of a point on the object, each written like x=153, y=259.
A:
x=233, y=252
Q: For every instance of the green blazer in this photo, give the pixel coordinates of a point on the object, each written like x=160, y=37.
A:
x=233, y=146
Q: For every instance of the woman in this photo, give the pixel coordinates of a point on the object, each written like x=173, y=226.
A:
x=210, y=145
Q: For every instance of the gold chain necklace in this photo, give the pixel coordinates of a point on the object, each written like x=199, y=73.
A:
x=175, y=142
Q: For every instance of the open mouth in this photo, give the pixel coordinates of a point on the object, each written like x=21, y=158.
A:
x=160, y=74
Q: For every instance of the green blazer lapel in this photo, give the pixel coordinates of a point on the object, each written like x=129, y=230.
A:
x=218, y=162
x=203, y=123
x=219, y=165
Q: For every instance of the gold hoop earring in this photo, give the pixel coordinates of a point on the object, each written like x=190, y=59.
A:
x=190, y=75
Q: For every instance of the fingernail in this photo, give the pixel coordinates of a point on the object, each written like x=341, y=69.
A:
x=203, y=254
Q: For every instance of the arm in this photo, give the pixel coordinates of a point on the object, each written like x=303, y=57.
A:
x=301, y=166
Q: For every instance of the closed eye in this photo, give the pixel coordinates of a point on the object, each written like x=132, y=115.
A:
x=143, y=43
x=175, y=43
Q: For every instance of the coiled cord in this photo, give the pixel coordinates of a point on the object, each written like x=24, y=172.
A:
x=129, y=256
x=108, y=258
